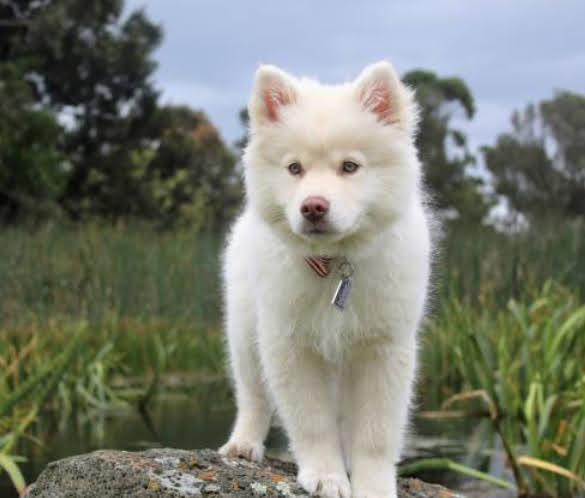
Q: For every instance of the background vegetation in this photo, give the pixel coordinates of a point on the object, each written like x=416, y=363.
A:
x=113, y=208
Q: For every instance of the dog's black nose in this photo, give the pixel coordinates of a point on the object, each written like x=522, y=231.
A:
x=314, y=208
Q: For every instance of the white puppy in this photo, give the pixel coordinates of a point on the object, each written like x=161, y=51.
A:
x=334, y=212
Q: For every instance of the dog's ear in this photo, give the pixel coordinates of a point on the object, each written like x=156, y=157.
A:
x=273, y=90
x=380, y=92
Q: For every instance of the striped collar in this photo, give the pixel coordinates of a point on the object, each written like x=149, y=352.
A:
x=321, y=265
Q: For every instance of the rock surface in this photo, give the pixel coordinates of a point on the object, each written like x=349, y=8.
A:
x=166, y=473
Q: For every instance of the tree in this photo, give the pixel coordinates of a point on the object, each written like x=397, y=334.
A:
x=443, y=149
x=12, y=25
x=93, y=67
x=189, y=174
x=32, y=168
x=244, y=118
x=119, y=154
x=539, y=167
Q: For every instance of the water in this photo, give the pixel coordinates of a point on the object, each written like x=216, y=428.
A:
x=193, y=421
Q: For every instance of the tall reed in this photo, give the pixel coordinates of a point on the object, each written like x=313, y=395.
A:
x=524, y=365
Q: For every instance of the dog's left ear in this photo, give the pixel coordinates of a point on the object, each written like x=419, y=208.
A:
x=381, y=92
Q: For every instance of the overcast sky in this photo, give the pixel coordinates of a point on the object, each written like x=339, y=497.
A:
x=509, y=52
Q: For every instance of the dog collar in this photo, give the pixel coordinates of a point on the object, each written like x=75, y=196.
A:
x=321, y=265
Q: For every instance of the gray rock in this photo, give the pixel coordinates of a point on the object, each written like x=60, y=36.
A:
x=169, y=473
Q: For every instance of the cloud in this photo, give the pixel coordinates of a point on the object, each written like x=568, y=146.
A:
x=509, y=53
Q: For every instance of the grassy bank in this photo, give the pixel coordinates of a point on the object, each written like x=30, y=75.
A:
x=95, y=317
x=97, y=272
x=483, y=267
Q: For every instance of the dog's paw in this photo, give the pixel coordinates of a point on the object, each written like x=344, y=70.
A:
x=325, y=485
x=383, y=491
x=370, y=494
x=243, y=449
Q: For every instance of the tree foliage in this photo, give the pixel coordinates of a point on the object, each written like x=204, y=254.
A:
x=539, y=167
x=94, y=67
x=190, y=174
x=118, y=152
x=30, y=160
x=443, y=149
x=31, y=164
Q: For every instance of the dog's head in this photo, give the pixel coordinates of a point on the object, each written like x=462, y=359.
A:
x=326, y=165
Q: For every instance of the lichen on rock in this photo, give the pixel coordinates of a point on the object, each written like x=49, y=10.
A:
x=171, y=473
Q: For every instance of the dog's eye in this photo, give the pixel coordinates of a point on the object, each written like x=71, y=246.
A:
x=295, y=168
x=349, y=167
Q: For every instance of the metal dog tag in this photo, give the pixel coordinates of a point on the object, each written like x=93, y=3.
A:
x=342, y=292
x=345, y=269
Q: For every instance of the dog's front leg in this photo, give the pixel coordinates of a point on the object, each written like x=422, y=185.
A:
x=300, y=381
x=378, y=389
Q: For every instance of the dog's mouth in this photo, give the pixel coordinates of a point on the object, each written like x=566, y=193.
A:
x=320, y=233
x=317, y=229
x=325, y=232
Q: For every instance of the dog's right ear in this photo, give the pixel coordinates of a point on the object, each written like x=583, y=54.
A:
x=273, y=90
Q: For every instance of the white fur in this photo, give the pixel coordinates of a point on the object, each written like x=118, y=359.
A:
x=341, y=381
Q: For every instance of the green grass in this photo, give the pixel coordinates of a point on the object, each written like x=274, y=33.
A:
x=480, y=266
x=95, y=272
x=137, y=304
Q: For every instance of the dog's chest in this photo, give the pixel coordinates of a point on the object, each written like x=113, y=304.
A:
x=300, y=301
